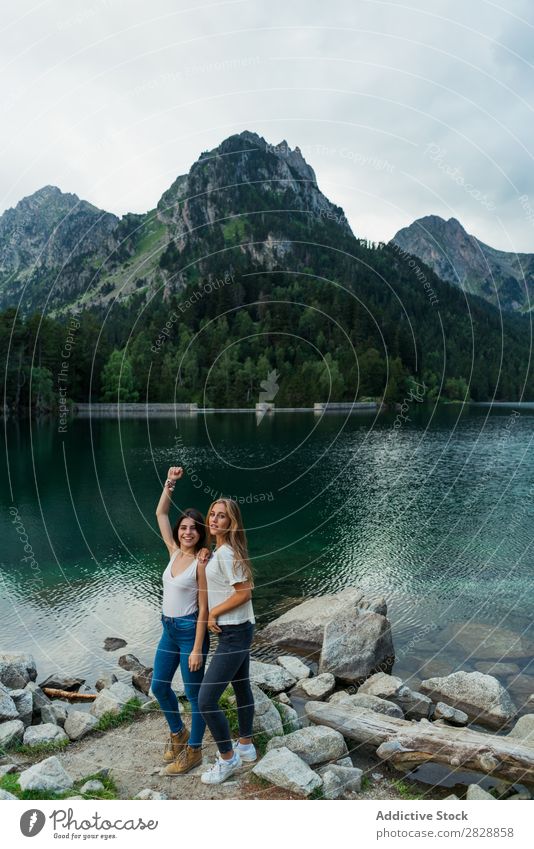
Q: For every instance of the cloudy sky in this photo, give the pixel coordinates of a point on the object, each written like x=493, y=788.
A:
x=402, y=108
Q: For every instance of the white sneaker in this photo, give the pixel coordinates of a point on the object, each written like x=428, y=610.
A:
x=221, y=770
x=247, y=752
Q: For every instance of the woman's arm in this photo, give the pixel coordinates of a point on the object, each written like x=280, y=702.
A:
x=242, y=594
x=162, y=510
x=195, y=658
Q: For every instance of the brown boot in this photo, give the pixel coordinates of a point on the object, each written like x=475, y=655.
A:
x=187, y=759
x=175, y=744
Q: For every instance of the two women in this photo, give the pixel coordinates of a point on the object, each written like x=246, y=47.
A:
x=192, y=583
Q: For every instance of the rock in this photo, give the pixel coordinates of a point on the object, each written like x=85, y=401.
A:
x=24, y=704
x=284, y=699
x=8, y=708
x=344, y=761
x=522, y=686
x=523, y=729
x=450, y=714
x=7, y=769
x=271, y=677
x=55, y=712
x=474, y=791
x=348, y=779
x=303, y=626
x=62, y=682
x=78, y=724
x=39, y=699
x=523, y=795
x=365, y=700
x=112, y=700
x=489, y=667
x=46, y=775
x=93, y=786
x=340, y=696
x=5, y=796
x=46, y=733
x=266, y=720
x=415, y=705
x=17, y=669
x=317, y=688
x=355, y=645
x=382, y=685
x=290, y=718
x=377, y=776
x=105, y=681
x=452, y=798
x=114, y=643
x=285, y=769
x=480, y=696
x=150, y=704
x=315, y=744
x=435, y=667
x=294, y=666
x=74, y=797
x=147, y=793
x=487, y=642
x=141, y=675
x=11, y=732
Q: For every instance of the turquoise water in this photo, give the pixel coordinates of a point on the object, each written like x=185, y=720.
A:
x=436, y=515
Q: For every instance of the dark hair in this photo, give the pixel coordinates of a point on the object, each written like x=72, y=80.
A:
x=200, y=526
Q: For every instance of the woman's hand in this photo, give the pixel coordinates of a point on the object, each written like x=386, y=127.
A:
x=175, y=473
x=195, y=661
x=203, y=556
x=212, y=624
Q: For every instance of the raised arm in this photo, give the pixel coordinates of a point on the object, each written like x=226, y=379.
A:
x=162, y=510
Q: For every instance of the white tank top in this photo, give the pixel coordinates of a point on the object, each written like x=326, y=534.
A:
x=180, y=594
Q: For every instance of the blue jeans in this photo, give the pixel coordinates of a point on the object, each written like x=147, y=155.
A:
x=229, y=665
x=173, y=650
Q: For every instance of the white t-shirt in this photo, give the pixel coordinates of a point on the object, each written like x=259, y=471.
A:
x=221, y=577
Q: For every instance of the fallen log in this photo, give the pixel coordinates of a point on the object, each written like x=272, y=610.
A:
x=407, y=744
x=53, y=693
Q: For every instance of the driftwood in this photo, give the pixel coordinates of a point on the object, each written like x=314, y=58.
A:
x=68, y=695
x=407, y=744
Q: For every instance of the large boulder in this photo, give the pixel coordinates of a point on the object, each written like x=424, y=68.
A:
x=39, y=698
x=16, y=669
x=58, y=681
x=267, y=719
x=46, y=775
x=55, y=712
x=112, y=700
x=415, y=705
x=340, y=781
x=46, y=733
x=141, y=674
x=289, y=716
x=382, y=685
x=271, y=677
x=11, y=732
x=79, y=723
x=285, y=769
x=303, y=626
x=481, y=697
x=8, y=708
x=294, y=666
x=523, y=730
x=24, y=703
x=356, y=645
x=317, y=688
x=315, y=744
x=363, y=700
x=114, y=643
x=488, y=642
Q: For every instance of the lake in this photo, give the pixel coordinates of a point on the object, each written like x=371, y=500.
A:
x=435, y=513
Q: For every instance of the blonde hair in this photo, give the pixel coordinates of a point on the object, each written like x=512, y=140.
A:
x=235, y=536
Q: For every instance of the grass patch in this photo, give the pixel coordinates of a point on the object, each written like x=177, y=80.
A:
x=405, y=790
x=126, y=715
x=317, y=793
x=11, y=784
x=227, y=703
x=366, y=782
x=39, y=749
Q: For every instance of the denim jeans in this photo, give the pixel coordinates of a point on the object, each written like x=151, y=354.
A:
x=229, y=665
x=174, y=648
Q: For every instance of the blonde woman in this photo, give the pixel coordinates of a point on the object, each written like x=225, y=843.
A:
x=231, y=617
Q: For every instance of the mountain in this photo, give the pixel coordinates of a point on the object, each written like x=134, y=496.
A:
x=504, y=279
x=58, y=250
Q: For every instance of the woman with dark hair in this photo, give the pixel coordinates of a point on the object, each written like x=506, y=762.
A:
x=184, y=641
x=231, y=617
